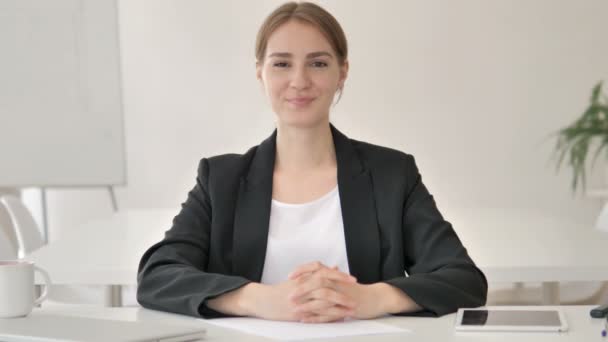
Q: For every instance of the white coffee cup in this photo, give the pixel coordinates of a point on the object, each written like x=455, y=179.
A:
x=17, y=288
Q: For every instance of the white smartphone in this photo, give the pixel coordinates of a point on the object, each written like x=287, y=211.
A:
x=510, y=319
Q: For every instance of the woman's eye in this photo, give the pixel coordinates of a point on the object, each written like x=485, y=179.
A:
x=317, y=64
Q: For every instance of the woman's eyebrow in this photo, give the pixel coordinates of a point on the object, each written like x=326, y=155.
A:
x=308, y=56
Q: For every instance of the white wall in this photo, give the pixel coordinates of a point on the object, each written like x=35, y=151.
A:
x=472, y=88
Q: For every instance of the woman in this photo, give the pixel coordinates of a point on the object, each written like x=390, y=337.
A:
x=310, y=225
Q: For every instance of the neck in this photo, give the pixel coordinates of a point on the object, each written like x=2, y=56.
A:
x=304, y=149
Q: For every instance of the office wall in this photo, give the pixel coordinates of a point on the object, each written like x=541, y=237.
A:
x=472, y=88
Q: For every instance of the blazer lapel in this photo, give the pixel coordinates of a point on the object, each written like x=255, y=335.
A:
x=252, y=213
x=361, y=231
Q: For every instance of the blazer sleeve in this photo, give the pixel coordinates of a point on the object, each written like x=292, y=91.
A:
x=441, y=275
x=172, y=273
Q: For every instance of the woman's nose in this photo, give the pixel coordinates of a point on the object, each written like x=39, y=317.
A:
x=300, y=78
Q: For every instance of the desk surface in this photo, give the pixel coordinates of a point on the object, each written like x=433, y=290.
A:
x=508, y=246
x=527, y=246
x=581, y=326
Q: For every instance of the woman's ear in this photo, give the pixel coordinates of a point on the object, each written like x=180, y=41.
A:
x=258, y=71
x=343, y=74
x=258, y=76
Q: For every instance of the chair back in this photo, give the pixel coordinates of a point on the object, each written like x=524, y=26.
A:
x=29, y=237
x=8, y=250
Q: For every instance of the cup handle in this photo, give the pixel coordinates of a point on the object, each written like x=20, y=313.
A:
x=47, y=285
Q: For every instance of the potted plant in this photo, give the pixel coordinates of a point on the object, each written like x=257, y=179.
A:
x=587, y=133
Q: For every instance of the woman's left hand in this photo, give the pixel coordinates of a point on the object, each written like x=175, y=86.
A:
x=368, y=299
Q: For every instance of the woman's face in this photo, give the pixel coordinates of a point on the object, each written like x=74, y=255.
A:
x=300, y=74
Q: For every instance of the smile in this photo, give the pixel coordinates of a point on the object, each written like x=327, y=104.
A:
x=300, y=101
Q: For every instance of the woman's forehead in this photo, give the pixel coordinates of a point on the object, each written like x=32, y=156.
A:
x=298, y=39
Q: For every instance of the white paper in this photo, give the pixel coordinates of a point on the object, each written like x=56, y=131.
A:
x=294, y=331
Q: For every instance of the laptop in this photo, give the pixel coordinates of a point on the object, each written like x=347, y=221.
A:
x=54, y=328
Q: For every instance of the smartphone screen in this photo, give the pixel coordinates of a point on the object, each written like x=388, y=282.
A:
x=510, y=317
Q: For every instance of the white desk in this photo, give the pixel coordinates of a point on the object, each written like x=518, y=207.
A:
x=104, y=252
x=507, y=246
x=524, y=246
x=529, y=247
x=581, y=326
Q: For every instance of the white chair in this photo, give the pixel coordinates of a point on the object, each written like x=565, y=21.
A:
x=8, y=240
x=29, y=237
x=8, y=250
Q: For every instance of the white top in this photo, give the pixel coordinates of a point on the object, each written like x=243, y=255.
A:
x=302, y=233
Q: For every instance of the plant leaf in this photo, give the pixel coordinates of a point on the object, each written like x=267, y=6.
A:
x=574, y=141
x=595, y=94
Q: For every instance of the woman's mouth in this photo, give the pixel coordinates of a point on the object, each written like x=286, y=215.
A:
x=300, y=101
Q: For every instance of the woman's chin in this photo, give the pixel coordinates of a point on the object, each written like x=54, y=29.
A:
x=302, y=120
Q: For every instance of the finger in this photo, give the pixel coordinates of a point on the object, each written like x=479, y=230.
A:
x=335, y=311
x=300, y=275
x=335, y=274
x=326, y=273
x=315, y=267
x=333, y=296
x=325, y=278
x=302, y=290
x=322, y=318
x=306, y=268
x=313, y=306
x=327, y=295
x=323, y=307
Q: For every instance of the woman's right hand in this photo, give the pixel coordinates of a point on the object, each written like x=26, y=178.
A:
x=271, y=301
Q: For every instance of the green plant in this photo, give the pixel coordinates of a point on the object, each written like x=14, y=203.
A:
x=575, y=141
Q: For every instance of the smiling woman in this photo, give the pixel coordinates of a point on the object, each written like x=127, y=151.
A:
x=300, y=69
x=309, y=225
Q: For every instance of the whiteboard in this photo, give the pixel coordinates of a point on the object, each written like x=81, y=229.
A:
x=61, y=120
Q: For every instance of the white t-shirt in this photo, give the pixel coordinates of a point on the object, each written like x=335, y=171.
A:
x=302, y=233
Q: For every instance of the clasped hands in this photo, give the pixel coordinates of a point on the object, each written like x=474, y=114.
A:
x=316, y=293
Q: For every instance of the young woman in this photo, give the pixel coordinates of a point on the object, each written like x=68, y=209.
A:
x=309, y=225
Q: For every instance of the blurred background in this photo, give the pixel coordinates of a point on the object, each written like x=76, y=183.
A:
x=474, y=89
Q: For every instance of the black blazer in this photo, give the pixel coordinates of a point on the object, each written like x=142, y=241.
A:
x=391, y=226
